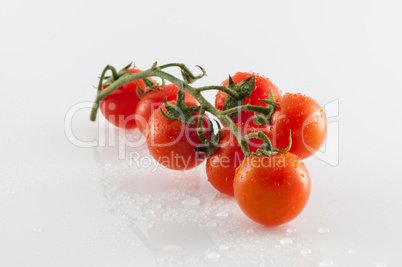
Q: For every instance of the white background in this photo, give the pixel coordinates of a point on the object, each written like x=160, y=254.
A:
x=63, y=205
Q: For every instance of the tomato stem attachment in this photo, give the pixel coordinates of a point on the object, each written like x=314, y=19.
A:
x=236, y=92
x=266, y=148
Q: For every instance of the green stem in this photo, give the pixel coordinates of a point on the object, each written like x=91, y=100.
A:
x=195, y=92
x=247, y=107
x=222, y=88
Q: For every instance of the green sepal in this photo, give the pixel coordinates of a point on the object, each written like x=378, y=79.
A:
x=180, y=110
x=245, y=88
x=266, y=148
x=261, y=119
x=211, y=144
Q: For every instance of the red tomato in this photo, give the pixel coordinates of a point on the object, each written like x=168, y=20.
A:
x=172, y=142
x=260, y=91
x=305, y=118
x=153, y=100
x=222, y=164
x=272, y=190
x=119, y=107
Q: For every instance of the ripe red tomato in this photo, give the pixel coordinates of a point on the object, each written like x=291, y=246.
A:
x=305, y=118
x=119, y=107
x=272, y=190
x=222, y=164
x=153, y=100
x=260, y=91
x=172, y=142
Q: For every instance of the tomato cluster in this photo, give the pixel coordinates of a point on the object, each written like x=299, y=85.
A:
x=272, y=185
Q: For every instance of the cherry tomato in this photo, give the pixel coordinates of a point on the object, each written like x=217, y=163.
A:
x=305, y=118
x=272, y=190
x=260, y=91
x=172, y=142
x=153, y=100
x=119, y=107
x=222, y=164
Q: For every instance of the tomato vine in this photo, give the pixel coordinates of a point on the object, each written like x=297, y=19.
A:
x=232, y=106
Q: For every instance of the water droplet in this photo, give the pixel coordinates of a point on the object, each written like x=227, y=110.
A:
x=156, y=206
x=326, y=264
x=214, y=256
x=11, y=192
x=352, y=251
x=160, y=260
x=223, y=247
x=211, y=224
x=222, y=214
x=290, y=230
x=250, y=231
x=306, y=251
x=286, y=241
x=381, y=265
x=37, y=230
x=191, y=202
x=172, y=248
x=323, y=230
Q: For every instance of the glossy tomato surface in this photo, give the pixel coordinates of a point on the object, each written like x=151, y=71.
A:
x=153, y=100
x=272, y=190
x=172, y=142
x=260, y=91
x=305, y=118
x=119, y=107
x=222, y=164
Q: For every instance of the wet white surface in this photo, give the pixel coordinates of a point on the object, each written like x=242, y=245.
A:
x=65, y=205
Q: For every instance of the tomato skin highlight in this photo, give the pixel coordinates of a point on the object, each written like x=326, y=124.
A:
x=260, y=91
x=172, y=142
x=305, y=118
x=119, y=107
x=152, y=100
x=272, y=190
x=221, y=166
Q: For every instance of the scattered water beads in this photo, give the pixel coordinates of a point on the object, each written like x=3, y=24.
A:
x=352, y=251
x=323, y=230
x=286, y=241
x=306, y=251
x=381, y=265
x=222, y=214
x=191, y=202
x=214, y=256
x=326, y=264
x=223, y=247
x=172, y=248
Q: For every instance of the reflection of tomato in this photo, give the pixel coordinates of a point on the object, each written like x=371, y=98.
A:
x=172, y=142
x=222, y=164
x=153, y=100
x=119, y=107
x=272, y=190
x=305, y=118
x=260, y=91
